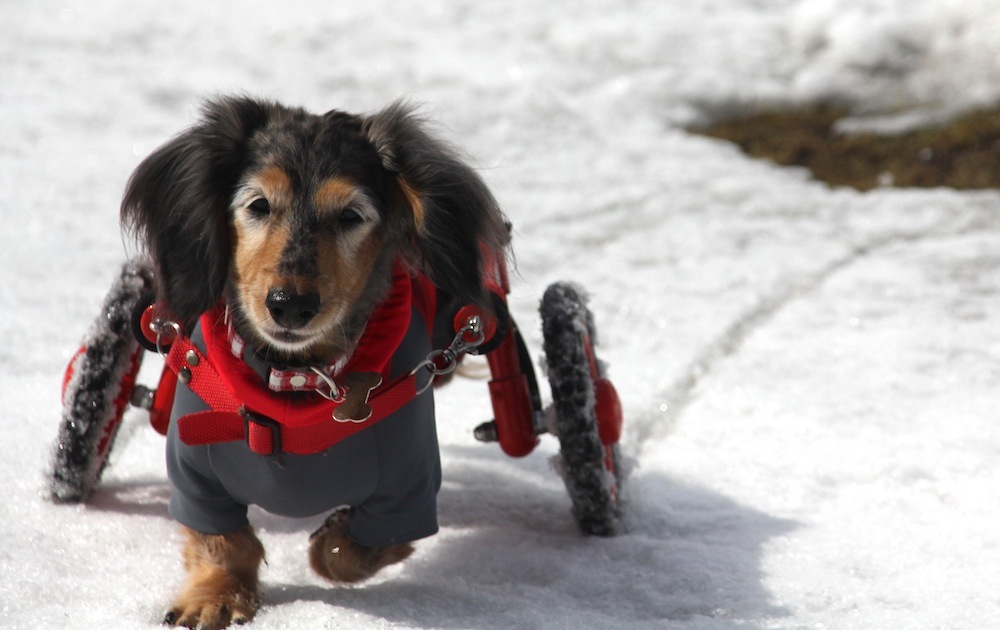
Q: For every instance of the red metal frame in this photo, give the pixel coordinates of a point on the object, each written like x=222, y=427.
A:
x=510, y=392
x=512, y=409
x=608, y=409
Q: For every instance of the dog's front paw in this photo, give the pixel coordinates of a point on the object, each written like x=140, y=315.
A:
x=222, y=586
x=334, y=556
x=215, y=601
x=212, y=607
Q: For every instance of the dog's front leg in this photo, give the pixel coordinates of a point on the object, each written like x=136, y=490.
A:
x=222, y=585
x=336, y=557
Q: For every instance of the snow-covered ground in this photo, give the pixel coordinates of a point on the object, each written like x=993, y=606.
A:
x=810, y=376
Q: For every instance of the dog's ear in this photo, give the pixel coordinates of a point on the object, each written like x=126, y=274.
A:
x=454, y=214
x=177, y=201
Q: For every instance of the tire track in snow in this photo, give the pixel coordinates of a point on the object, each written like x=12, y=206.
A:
x=674, y=399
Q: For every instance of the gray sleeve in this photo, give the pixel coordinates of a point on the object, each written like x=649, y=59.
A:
x=198, y=499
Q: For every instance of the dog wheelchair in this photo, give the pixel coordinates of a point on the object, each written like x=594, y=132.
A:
x=100, y=384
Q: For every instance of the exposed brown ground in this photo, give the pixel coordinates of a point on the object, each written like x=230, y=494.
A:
x=964, y=153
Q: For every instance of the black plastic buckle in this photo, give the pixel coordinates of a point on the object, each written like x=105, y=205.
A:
x=251, y=421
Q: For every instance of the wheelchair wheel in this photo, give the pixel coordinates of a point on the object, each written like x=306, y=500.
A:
x=587, y=415
x=97, y=388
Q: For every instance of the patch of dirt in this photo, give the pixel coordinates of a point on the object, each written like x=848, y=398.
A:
x=964, y=153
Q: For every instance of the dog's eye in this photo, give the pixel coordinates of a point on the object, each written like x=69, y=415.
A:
x=349, y=218
x=260, y=207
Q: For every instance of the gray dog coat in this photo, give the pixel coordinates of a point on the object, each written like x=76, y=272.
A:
x=388, y=473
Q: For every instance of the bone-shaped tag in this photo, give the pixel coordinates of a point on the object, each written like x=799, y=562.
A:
x=359, y=386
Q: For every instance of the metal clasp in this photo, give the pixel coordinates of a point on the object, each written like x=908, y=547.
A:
x=445, y=360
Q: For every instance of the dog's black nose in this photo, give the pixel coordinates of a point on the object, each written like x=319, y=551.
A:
x=290, y=309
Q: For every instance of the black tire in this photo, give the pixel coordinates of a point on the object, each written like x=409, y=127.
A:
x=97, y=388
x=590, y=469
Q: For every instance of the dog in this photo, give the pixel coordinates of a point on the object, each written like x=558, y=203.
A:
x=293, y=237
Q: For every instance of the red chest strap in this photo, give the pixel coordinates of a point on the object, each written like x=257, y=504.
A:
x=229, y=420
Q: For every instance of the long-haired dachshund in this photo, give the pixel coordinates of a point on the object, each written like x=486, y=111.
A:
x=294, y=246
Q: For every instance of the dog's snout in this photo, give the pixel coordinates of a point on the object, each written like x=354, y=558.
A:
x=290, y=309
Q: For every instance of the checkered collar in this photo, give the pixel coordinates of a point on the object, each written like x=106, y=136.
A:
x=288, y=379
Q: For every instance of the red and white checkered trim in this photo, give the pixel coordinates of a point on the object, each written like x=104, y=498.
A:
x=289, y=380
x=297, y=381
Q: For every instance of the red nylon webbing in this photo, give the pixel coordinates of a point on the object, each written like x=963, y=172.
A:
x=204, y=381
x=225, y=422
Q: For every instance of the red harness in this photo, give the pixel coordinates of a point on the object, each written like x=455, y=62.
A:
x=242, y=407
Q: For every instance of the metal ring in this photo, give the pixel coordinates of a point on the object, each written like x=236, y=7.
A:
x=426, y=363
x=429, y=366
x=160, y=326
x=449, y=361
x=336, y=393
x=430, y=381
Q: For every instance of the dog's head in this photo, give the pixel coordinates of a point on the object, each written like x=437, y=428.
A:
x=296, y=219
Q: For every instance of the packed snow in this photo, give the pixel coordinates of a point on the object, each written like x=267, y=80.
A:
x=809, y=375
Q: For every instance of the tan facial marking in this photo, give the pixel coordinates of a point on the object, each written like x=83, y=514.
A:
x=256, y=260
x=334, y=194
x=276, y=186
x=348, y=268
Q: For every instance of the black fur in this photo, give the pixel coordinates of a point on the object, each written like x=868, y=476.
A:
x=457, y=203
x=178, y=199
